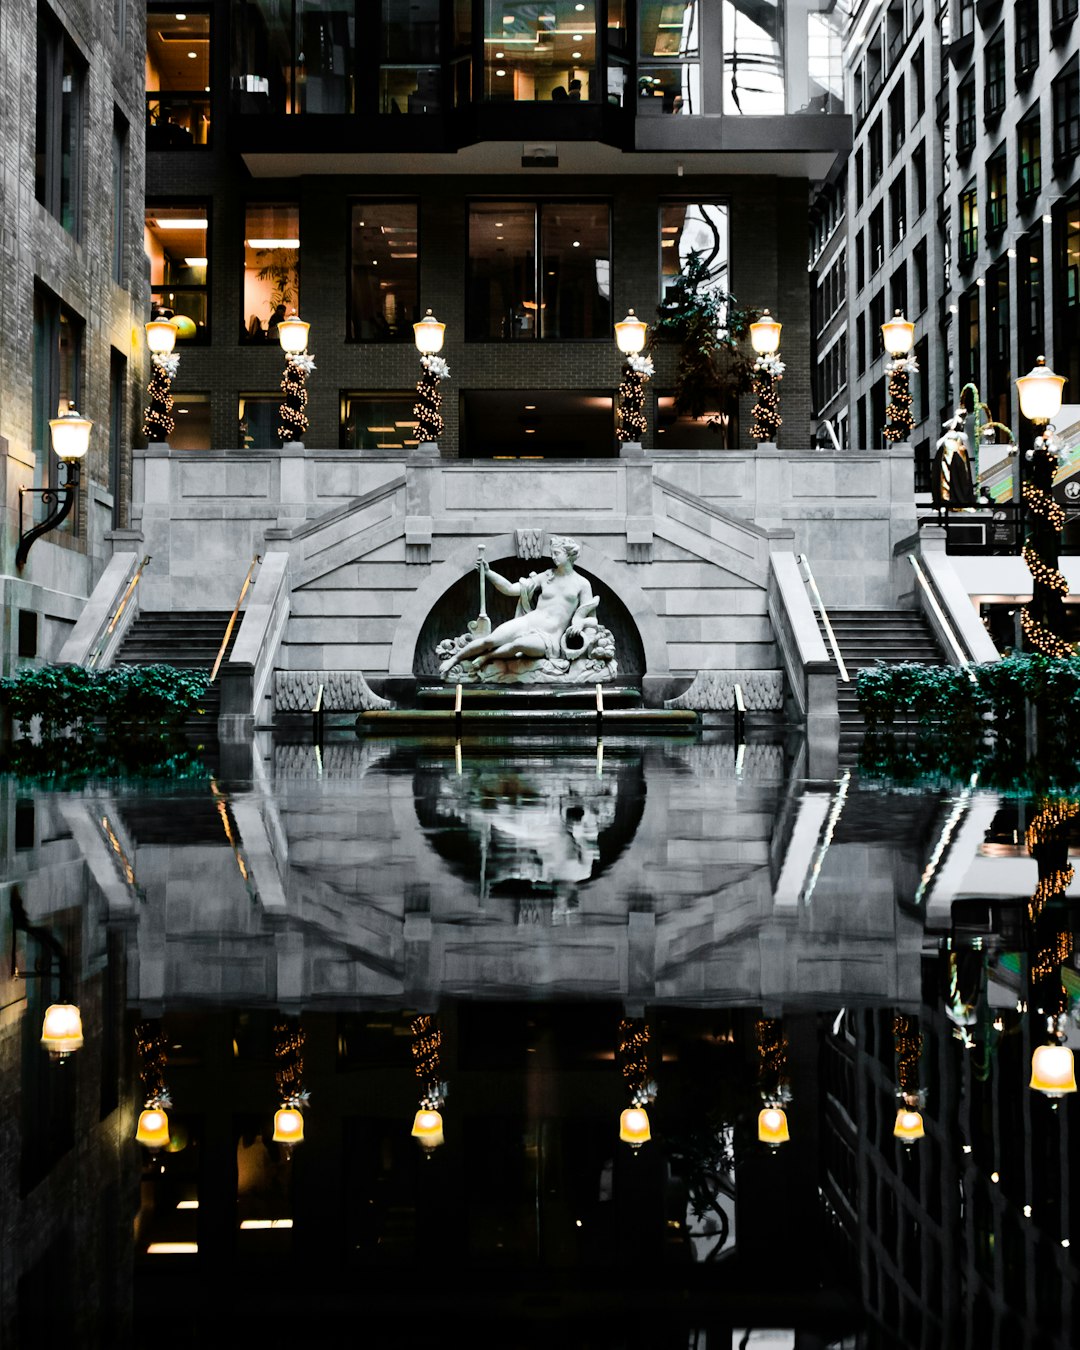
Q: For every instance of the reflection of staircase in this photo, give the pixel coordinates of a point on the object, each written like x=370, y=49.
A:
x=186, y=638
x=867, y=636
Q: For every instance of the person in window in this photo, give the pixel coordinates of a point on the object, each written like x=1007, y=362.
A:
x=575, y=91
x=559, y=94
x=255, y=332
x=275, y=319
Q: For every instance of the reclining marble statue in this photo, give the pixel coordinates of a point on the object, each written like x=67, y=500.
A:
x=553, y=638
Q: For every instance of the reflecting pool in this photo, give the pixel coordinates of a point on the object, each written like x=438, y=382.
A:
x=621, y=1042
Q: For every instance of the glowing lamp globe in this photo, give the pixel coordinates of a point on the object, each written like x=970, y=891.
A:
x=634, y=1127
x=765, y=334
x=429, y=334
x=288, y=1126
x=61, y=1030
x=898, y=335
x=153, y=1128
x=293, y=335
x=772, y=1126
x=630, y=334
x=427, y=1128
x=70, y=435
x=909, y=1125
x=161, y=336
x=1052, y=1070
x=1040, y=393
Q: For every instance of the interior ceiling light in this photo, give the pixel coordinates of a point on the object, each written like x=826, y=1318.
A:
x=180, y=223
x=273, y=243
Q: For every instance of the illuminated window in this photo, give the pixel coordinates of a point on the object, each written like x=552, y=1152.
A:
x=177, y=79
x=384, y=271
x=176, y=239
x=539, y=52
x=271, y=268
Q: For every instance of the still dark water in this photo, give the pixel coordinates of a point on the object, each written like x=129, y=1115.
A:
x=533, y=936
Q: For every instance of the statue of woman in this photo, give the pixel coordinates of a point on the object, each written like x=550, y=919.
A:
x=553, y=606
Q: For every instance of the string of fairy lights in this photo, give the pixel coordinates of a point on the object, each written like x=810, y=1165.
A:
x=908, y=1042
x=899, y=419
x=633, y=423
x=1042, y=619
x=294, y=419
x=289, y=1039
x=766, y=416
x=633, y=1054
x=158, y=421
x=427, y=409
x=426, y=1049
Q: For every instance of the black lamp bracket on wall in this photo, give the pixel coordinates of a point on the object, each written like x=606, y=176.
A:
x=62, y=494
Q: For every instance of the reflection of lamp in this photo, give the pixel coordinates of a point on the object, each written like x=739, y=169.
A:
x=633, y=1057
x=428, y=335
x=772, y=1082
x=61, y=1027
x=634, y=1127
x=772, y=1126
x=153, y=1128
x=293, y=337
x=630, y=338
x=907, y=1039
x=768, y=370
x=289, y=1041
x=427, y=1129
x=70, y=436
x=1052, y=1071
x=909, y=1125
x=288, y=1126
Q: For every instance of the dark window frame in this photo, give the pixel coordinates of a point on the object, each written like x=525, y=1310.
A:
x=1028, y=165
x=61, y=197
x=354, y=204
x=1065, y=95
x=997, y=203
x=968, y=234
x=994, y=73
x=965, y=115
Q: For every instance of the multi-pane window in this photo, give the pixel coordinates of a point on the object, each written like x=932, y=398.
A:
x=410, y=74
x=897, y=209
x=825, y=60
x=539, y=52
x=860, y=343
x=271, y=268
x=1029, y=155
x=56, y=378
x=119, y=194
x=1061, y=11
x=877, y=318
x=897, y=117
x=1029, y=297
x=997, y=191
x=831, y=372
x=969, y=337
x=877, y=151
x=918, y=262
x=969, y=223
x=753, y=57
x=918, y=80
x=966, y=24
x=1066, y=289
x=293, y=58
x=860, y=267
x=258, y=418
x=832, y=290
x=860, y=187
x=699, y=230
x=918, y=174
x=998, y=341
x=965, y=114
x=669, y=56
x=994, y=73
x=177, y=78
x=384, y=271
x=898, y=290
x=1026, y=24
x=176, y=242
x=378, y=421
x=877, y=238
x=1066, y=96
x=538, y=271
x=58, y=158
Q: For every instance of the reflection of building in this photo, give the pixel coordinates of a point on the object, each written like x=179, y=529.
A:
x=72, y=295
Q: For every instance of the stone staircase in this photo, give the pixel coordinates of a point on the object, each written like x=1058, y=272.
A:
x=867, y=636
x=188, y=639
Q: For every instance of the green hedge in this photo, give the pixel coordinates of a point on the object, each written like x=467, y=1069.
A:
x=123, y=700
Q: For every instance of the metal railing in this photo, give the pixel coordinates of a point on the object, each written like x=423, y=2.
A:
x=103, y=640
x=841, y=668
x=939, y=614
x=232, y=617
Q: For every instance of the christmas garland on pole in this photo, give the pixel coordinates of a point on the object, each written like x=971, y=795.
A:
x=294, y=420
x=158, y=421
x=768, y=372
x=633, y=423
x=898, y=417
x=428, y=405
x=1043, y=618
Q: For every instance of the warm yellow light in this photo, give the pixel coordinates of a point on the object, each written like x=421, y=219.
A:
x=70, y=435
x=429, y=334
x=1040, y=393
x=293, y=334
x=288, y=1126
x=898, y=335
x=427, y=1128
x=765, y=334
x=161, y=336
x=1052, y=1070
x=61, y=1030
x=153, y=1128
x=634, y=1127
x=772, y=1126
x=630, y=334
x=909, y=1125
x=172, y=1249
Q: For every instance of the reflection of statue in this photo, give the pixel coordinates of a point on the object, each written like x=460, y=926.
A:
x=554, y=636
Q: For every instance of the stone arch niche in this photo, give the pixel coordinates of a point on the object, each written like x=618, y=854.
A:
x=460, y=602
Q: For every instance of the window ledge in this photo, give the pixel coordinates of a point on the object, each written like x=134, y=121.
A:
x=961, y=50
x=1059, y=32
x=1063, y=164
x=1025, y=75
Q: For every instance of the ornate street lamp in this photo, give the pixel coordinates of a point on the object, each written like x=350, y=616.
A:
x=288, y=1126
x=1053, y=1072
x=908, y=1041
x=909, y=1125
x=293, y=337
x=768, y=371
x=70, y=436
x=1044, y=617
x=158, y=423
x=428, y=335
x=898, y=335
x=427, y=1127
x=630, y=337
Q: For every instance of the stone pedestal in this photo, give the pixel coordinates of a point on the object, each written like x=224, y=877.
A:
x=631, y=450
x=766, y=445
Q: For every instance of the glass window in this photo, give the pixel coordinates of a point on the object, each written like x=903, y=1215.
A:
x=539, y=271
x=714, y=430
x=918, y=258
x=293, y=59
x=877, y=238
x=1066, y=93
x=1029, y=288
x=410, y=74
x=378, y=421
x=965, y=115
x=898, y=289
x=918, y=81
x=860, y=343
x=897, y=209
x=258, y=419
x=1029, y=154
x=669, y=65
x=117, y=439
x=877, y=151
x=825, y=61
x=969, y=337
x=539, y=52
x=177, y=79
x=994, y=93
x=999, y=342
x=877, y=318
x=119, y=193
x=897, y=117
x=384, y=271
x=1062, y=11
x=689, y=228
x=860, y=267
x=754, y=57
x=997, y=191
x=176, y=239
x=58, y=158
x=56, y=374
x=918, y=173
x=1027, y=36
x=969, y=223
x=271, y=268
x=461, y=61
x=1066, y=289
x=191, y=413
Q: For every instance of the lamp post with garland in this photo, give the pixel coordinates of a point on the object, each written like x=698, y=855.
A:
x=898, y=335
x=293, y=336
x=158, y=422
x=429, y=334
x=768, y=371
x=633, y=424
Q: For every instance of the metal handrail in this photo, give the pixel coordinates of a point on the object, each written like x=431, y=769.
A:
x=232, y=617
x=100, y=647
x=825, y=620
x=961, y=659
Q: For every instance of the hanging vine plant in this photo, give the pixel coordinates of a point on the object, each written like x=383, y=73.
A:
x=714, y=363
